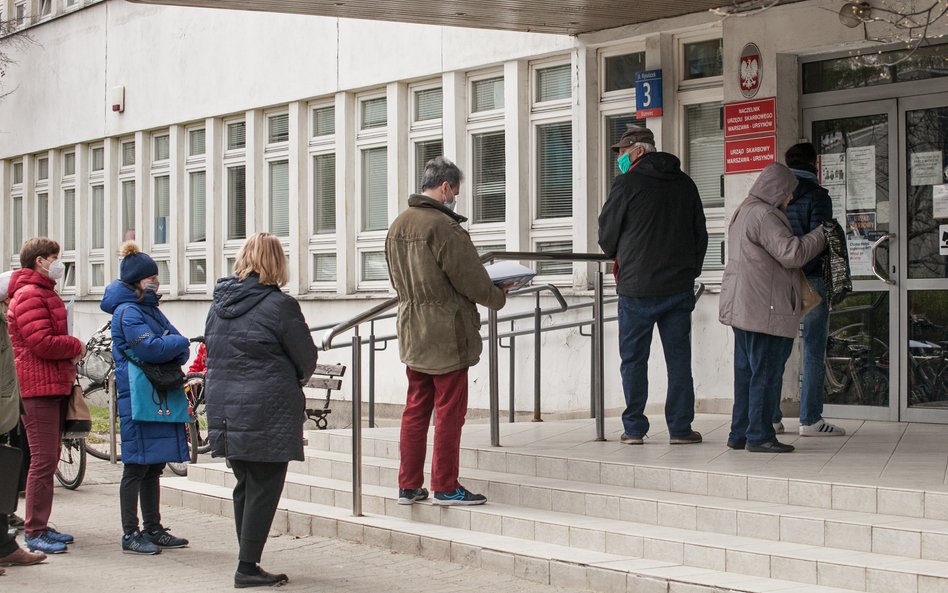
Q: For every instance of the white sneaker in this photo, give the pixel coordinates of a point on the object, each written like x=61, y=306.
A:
x=821, y=429
x=778, y=428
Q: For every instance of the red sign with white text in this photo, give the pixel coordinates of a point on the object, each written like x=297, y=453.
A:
x=750, y=117
x=749, y=155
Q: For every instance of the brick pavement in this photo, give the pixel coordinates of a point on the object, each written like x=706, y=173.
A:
x=95, y=562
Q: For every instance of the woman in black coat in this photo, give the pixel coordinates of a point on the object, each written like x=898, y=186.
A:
x=259, y=354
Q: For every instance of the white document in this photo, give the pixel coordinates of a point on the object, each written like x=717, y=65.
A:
x=832, y=169
x=509, y=274
x=940, y=201
x=837, y=194
x=926, y=168
x=861, y=178
x=860, y=256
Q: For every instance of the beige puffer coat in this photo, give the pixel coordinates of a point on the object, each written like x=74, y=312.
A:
x=438, y=276
x=760, y=291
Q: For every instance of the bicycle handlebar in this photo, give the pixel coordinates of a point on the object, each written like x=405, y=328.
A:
x=197, y=339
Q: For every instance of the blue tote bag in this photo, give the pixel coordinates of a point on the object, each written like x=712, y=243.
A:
x=148, y=403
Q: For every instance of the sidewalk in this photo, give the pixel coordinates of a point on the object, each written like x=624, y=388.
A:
x=95, y=561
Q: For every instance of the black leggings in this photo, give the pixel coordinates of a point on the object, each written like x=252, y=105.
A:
x=258, y=490
x=140, y=482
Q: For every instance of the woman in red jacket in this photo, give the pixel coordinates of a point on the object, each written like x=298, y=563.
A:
x=45, y=356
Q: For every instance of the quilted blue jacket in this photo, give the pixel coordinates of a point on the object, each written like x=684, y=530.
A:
x=142, y=324
x=811, y=205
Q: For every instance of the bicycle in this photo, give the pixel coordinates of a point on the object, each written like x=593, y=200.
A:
x=854, y=375
x=196, y=429
x=72, y=462
x=98, y=368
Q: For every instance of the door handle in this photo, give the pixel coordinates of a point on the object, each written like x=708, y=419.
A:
x=872, y=257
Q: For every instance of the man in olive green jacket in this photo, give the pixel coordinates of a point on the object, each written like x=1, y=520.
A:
x=439, y=279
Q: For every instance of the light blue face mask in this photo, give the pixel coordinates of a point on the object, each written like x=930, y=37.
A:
x=624, y=162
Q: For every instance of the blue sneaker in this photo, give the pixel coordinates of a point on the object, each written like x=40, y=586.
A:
x=56, y=536
x=461, y=496
x=163, y=539
x=135, y=543
x=42, y=542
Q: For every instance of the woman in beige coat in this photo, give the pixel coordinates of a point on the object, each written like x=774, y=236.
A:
x=761, y=300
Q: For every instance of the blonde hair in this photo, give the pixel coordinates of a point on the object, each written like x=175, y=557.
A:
x=262, y=254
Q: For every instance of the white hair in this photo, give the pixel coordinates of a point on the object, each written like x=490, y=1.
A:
x=646, y=146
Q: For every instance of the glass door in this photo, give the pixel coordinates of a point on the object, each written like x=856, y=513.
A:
x=924, y=288
x=858, y=164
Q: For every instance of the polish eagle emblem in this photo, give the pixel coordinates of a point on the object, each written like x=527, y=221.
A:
x=750, y=70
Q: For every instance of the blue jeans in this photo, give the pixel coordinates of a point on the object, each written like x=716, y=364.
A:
x=637, y=317
x=815, y=331
x=759, y=360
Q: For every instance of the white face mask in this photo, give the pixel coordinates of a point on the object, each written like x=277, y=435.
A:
x=152, y=286
x=56, y=270
x=453, y=204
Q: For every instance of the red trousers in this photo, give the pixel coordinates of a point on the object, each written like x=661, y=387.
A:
x=44, y=432
x=447, y=396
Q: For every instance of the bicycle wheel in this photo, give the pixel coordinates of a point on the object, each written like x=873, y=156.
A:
x=198, y=424
x=72, y=463
x=179, y=468
x=98, y=442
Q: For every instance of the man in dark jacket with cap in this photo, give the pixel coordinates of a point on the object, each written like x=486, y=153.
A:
x=653, y=225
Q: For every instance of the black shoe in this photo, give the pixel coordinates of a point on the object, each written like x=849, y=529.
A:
x=770, y=447
x=737, y=444
x=690, y=439
x=411, y=495
x=460, y=496
x=261, y=579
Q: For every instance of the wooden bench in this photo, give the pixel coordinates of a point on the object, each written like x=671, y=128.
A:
x=328, y=377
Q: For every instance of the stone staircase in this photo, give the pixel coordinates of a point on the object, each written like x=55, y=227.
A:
x=580, y=522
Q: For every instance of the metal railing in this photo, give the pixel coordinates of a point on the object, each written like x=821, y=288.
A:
x=379, y=311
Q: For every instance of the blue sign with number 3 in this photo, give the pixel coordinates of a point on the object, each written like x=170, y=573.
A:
x=648, y=94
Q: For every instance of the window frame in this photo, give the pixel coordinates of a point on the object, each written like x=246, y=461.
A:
x=537, y=106
x=40, y=188
x=319, y=243
x=424, y=131
x=612, y=52
x=369, y=240
x=683, y=39
x=231, y=158
x=487, y=114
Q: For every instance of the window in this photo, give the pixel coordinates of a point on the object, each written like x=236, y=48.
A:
x=69, y=163
x=162, y=148
x=42, y=215
x=278, y=128
x=374, y=267
x=17, y=173
x=69, y=276
x=98, y=274
x=98, y=158
x=890, y=67
x=554, y=268
x=45, y=7
x=424, y=152
x=714, y=258
x=17, y=223
x=553, y=84
x=42, y=168
x=197, y=271
x=128, y=210
x=128, y=153
x=616, y=125
x=197, y=224
x=428, y=104
x=375, y=189
x=19, y=14
x=496, y=247
x=98, y=217
x=324, y=194
x=703, y=59
x=554, y=170
x=324, y=267
x=280, y=198
x=374, y=113
x=162, y=202
x=69, y=220
x=237, y=202
x=704, y=151
x=620, y=71
x=236, y=135
x=196, y=142
x=489, y=177
x=324, y=121
x=487, y=95
x=164, y=273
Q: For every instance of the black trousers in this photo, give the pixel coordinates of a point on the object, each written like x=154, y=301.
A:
x=140, y=483
x=7, y=541
x=17, y=438
x=258, y=490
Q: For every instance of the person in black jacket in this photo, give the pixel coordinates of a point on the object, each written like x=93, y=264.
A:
x=810, y=206
x=259, y=354
x=653, y=225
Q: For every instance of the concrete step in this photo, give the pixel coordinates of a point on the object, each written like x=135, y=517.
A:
x=848, y=530
x=612, y=533
x=528, y=559
x=575, y=466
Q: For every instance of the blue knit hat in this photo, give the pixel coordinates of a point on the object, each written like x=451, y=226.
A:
x=136, y=265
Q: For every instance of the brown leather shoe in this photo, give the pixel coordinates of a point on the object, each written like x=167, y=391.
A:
x=21, y=557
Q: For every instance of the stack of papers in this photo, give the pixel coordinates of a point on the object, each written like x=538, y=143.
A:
x=509, y=274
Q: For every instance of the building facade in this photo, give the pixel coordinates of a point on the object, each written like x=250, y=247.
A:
x=316, y=129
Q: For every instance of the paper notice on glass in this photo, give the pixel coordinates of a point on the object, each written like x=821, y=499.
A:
x=861, y=178
x=837, y=194
x=860, y=255
x=832, y=168
x=940, y=200
x=510, y=274
x=860, y=224
x=926, y=168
